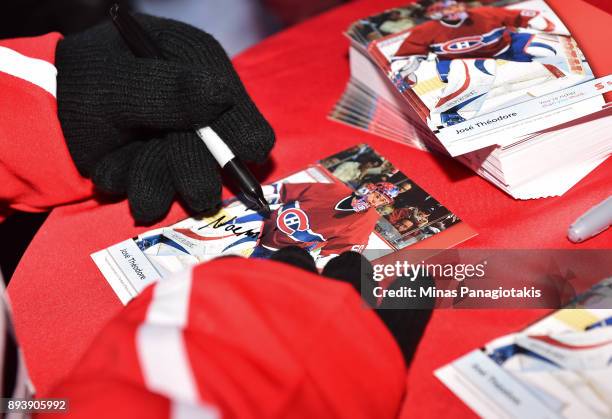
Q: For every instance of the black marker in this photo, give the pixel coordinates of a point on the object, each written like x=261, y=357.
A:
x=142, y=46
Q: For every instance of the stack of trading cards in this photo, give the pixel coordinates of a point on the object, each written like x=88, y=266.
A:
x=355, y=200
x=500, y=85
x=559, y=367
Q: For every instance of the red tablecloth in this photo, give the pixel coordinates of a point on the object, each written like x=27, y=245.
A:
x=60, y=299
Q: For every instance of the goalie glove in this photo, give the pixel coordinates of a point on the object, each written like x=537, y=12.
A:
x=539, y=21
x=405, y=67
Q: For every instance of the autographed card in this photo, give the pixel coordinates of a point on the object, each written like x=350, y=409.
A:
x=354, y=200
x=485, y=75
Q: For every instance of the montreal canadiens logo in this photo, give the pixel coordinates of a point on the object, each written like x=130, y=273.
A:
x=291, y=220
x=465, y=44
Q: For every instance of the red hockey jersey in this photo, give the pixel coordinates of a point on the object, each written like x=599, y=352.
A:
x=485, y=33
x=307, y=218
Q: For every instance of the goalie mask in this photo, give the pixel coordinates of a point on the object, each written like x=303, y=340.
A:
x=447, y=10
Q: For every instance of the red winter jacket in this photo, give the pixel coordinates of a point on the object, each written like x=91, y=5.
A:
x=36, y=171
x=230, y=338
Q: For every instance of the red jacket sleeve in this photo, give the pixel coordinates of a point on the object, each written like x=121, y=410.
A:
x=36, y=170
x=241, y=338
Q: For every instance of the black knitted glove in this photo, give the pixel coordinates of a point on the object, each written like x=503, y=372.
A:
x=406, y=325
x=129, y=122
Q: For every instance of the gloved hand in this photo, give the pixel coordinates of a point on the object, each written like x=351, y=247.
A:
x=406, y=325
x=129, y=122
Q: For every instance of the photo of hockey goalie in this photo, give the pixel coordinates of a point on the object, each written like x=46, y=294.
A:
x=466, y=59
x=354, y=200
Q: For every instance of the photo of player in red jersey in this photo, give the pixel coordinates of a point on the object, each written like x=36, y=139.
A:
x=466, y=61
x=314, y=209
x=326, y=219
x=482, y=32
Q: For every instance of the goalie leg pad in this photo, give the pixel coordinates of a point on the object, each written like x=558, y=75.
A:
x=467, y=80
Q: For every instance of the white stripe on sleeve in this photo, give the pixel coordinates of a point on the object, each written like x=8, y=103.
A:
x=161, y=349
x=182, y=410
x=39, y=72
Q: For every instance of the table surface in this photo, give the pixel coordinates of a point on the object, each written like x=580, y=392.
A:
x=61, y=300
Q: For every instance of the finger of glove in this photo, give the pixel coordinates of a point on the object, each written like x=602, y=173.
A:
x=406, y=326
x=407, y=319
x=295, y=256
x=181, y=42
x=242, y=127
x=195, y=172
x=111, y=173
x=354, y=268
x=154, y=94
x=150, y=189
x=246, y=131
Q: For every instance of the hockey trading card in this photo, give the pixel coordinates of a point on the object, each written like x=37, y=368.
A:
x=360, y=107
x=354, y=200
x=486, y=74
x=411, y=216
x=563, y=362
